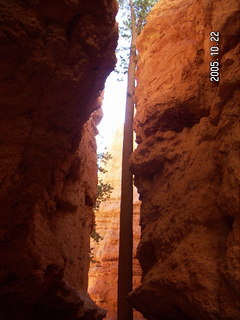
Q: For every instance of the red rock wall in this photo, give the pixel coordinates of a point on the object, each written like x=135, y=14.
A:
x=55, y=57
x=186, y=165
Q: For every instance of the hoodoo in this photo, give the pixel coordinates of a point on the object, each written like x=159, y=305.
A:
x=186, y=165
x=55, y=57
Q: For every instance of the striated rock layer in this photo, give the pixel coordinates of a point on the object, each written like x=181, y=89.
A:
x=55, y=57
x=103, y=274
x=186, y=165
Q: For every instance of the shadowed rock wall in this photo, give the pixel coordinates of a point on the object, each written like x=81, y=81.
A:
x=55, y=57
x=186, y=165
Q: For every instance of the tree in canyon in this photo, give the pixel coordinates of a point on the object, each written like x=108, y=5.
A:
x=137, y=12
x=104, y=190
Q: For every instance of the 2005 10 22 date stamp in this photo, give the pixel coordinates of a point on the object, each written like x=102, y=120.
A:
x=214, y=52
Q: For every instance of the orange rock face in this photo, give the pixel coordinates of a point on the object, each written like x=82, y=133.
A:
x=186, y=165
x=55, y=57
x=103, y=274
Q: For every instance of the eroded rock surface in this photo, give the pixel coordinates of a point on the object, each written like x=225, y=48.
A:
x=55, y=57
x=186, y=165
x=103, y=273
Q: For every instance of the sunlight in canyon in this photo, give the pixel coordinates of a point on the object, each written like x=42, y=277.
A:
x=113, y=110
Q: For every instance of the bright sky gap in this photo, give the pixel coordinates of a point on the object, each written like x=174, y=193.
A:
x=114, y=101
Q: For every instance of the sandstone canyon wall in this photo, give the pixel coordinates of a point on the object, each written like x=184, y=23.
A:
x=186, y=165
x=103, y=274
x=55, y=57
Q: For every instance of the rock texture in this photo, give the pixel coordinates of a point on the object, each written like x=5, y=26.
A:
x=55, y=57
x=186, y=165
x=103, y=274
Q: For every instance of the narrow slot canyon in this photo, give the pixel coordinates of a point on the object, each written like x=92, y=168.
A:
x=103, y=273
x=55, y=58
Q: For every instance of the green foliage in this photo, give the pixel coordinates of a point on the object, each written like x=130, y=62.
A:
x=92, y=259
x=103, y=190
x=102, y=160
x=141, y=11
x=95, y=235
x=103, y=193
